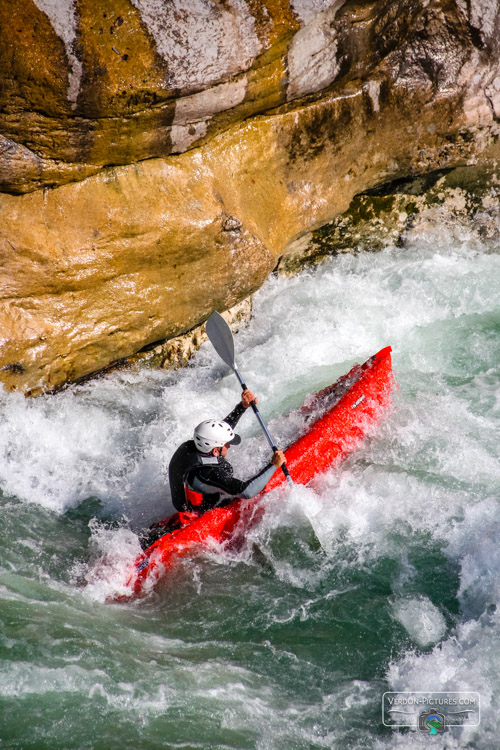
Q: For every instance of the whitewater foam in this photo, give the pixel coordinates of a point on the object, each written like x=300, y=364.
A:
x=385, y=567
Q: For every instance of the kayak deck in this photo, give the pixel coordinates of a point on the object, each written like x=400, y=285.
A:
x=336, y=421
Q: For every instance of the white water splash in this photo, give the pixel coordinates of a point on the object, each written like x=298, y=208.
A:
x=421, y=618
x=430, y=471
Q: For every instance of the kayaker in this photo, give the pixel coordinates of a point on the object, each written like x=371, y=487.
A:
x=200, y=476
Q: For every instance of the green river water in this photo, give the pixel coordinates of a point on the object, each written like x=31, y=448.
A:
x=383, y=575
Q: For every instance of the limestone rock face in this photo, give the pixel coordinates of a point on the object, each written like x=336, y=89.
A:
x=158, y=158
x=86, y=84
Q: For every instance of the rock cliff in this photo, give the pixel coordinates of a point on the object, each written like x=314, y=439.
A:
x=157, y=159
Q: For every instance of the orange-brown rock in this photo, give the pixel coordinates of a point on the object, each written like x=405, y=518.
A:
x=157, y=159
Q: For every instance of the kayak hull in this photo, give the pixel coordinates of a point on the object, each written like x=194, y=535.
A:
x=348, y=409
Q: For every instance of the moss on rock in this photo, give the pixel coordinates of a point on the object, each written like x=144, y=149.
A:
x=381, y=216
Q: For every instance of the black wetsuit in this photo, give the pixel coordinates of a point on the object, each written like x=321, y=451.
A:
x=199, y=482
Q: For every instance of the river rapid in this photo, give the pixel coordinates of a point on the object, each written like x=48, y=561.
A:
x=382, y=575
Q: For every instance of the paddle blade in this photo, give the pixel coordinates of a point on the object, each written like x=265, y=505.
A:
x=221, y=337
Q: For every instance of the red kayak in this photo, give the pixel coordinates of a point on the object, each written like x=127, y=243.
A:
x=335, y=421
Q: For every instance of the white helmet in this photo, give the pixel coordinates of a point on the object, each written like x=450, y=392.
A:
x=212, y=434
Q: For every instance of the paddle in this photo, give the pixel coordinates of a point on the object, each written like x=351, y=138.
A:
x=221, y=337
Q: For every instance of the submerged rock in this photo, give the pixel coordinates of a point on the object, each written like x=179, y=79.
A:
x=157, y=160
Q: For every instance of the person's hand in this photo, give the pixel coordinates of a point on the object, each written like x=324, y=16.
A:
x=278, y=459
x=247, y=397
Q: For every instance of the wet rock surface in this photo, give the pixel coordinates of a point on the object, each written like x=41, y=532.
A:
x=157, y=160
x=385, y=215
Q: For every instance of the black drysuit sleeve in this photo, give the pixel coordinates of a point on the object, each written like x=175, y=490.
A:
x=234, y=417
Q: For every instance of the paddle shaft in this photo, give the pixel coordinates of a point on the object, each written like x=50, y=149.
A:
x=256, y=411
x=221, y=337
